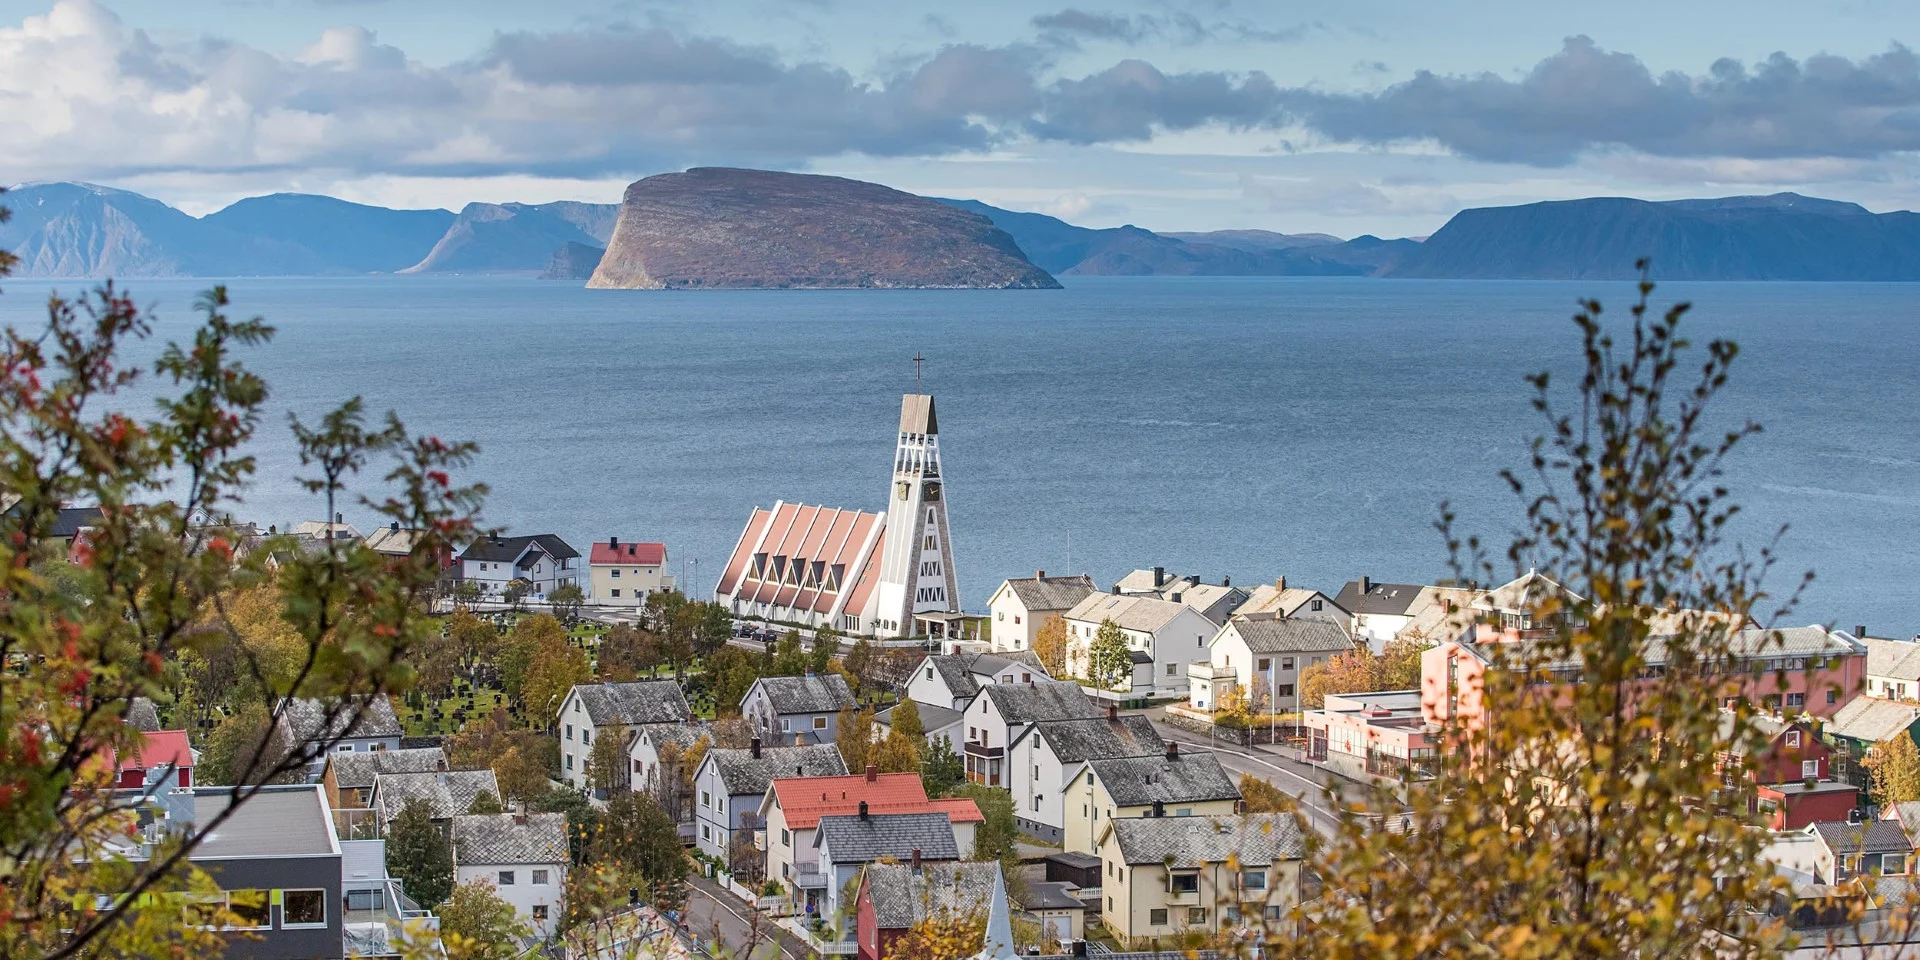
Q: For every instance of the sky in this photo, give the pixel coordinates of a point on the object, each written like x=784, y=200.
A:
x=1332, y=116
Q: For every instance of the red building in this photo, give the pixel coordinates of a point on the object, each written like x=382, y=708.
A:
x=894, y=897
x=1791, y=806
x=163, y=752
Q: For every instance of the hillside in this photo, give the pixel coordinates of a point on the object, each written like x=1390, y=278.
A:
x=516, y=237
x=1780, y=237
x=346, y=237
x=84, y=230
x=714, y=227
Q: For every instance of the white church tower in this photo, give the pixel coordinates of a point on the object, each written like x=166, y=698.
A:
x=916, y=563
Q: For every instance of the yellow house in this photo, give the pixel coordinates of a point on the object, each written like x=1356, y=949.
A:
x=1173, y=785
x=1162, y=877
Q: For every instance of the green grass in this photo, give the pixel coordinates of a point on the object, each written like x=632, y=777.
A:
x=421, y=723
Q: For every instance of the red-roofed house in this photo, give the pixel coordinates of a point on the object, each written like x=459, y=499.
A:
x=794, y=805
x=622, y=574
x=162, y=753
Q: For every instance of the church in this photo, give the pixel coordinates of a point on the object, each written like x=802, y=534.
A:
x=861, y=573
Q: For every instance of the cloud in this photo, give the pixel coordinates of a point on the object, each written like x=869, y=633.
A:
x=84, y=95
x=1584, y=98
x=1069, y=26
x=1343, y=197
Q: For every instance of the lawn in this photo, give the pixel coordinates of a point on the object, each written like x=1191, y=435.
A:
x=452, y=712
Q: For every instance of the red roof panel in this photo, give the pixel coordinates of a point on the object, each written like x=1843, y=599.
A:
x=639, y=554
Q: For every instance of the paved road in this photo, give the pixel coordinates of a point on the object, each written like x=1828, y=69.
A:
x=1309, y=784
x=711, y=909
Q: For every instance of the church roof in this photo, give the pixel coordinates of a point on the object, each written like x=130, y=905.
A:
x=802, y=557
x=916, y=414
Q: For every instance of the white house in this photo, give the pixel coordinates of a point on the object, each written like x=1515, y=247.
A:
x=594, y=710
x=1215, y=601
x=1164, y=635
x=1262, y=655
x=1001, y=712
x=1022, y=606
x=1380, y=610
x=1299, y=603
x=791, y=811
x=1045, y=754
x=845, y=844
x=731, y=783
x=781, y=708
x=524, y=857
x=543, y=561
x=305, y=721
x=1893, y=668
x=643, y=753
x=951, y=680
x=624, y=574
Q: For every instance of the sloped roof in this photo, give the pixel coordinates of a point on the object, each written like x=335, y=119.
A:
x=1253, y=838
x=964, y=673
x=683, y=734
x=1381, y=599
x=1020, y=703
x=635, y=702
x=1051, y=895
x=508, y=838
x=1052, y=593
x=1898, y=659
x=1523, y=594
x=1266, y=633
x=1146, y=614
x=1908, y=813
x=916, y=414
x=1097, y=738
x=1269, y=598
x=1871, y=719
x=814, y=693
x=932, y=716
x=142, y=715
x=958, y=809
x=902, y=896
x=307, y=720
x=1792, y=642
x=277, y=821
x=742, y=773
x=160, y=748
x=851, y=839
x=358, y=769
x=1873, y=836
x=636, y=554
x=805, y=800
x=1141, y=781
x=393, y=540
x=448, y=794
x=507, y=549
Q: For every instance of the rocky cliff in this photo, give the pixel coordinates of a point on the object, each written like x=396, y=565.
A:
x=575, y=261
x=713, y=227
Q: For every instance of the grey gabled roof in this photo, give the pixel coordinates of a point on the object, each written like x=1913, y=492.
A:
x=1041, y=700
x=448, y=794
x=1140, y=781
x=1139, y=612
x=953, y=672
x=142, y=716
x=307, y=720
x=1898, y=659
x=932, y=716
x=963, y=673
x=903, y=896
x=1051, y=895
x=741, y=772
x=1255, y=839
x=509, y=838
x=1873, y=836
x=813, y=693
x=1266, y=633
x=1052, y=593
x=851, y=839
x=359, y=769
x=1381, y=599
x=637, y=702
x=683, y=734
x=1792, y=642
x=509, y=549
x=1871, y=720
x=1074, y=741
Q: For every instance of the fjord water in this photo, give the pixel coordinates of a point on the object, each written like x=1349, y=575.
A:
x=1249, y=427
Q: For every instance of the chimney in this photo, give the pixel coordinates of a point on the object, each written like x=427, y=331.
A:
x=633, y=896
x=916, y=859
x=1280, y=584
x=863, y=810
x=442, y=764
x=1173, y=750
x=1116, y=589
x=520, y=818
x=753, y=748
x=1159, y=809
x=613, y=542
x=1366, y=585
x=1039, y=574
x=1859, y=631
x=1194, y=579
x=394, y=526
x=1226, y=581
x=873, y=773
x=1159, y=577
x=799, y=740
x=339, y=518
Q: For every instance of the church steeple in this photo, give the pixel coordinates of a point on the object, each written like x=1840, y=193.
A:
x=916, y=567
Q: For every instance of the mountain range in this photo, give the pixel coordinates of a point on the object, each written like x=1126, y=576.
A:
x=83, y=230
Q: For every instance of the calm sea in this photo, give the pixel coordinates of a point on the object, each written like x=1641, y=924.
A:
x=1242, y=427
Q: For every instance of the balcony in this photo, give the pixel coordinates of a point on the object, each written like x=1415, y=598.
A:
x=975, y=748
x=807, y=876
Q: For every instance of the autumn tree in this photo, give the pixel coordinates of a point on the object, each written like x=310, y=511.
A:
x=240, y=743
x=419, y=855
x=159, y=437
x=565, y=602
x=859, y=659
x=942, y=935
x=521, y=647
x=1050, y=645
x=1110, y=658
x=557, y=667
x=993, y=839
x=473, y=640
x=730, y=673
x=1895, y=764
x=895, y=753
x=790, y=656
x=905, y=720
x=638, y=838
x=826, y=646
x=1586, y=819
x=476, y=924
x=855, y=736
x=1259, y=795
x=1398, y=666
x=607, y=762
x=516, y=756
x=1354, y=671
x=623, y=654
x=484, y=802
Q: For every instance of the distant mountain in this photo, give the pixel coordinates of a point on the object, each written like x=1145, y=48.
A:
x=1780, y=237
x=84, y=230
x=1065, y=249
x=718, y=227
x=575, y=261
x=348, y=237
x=516, y=237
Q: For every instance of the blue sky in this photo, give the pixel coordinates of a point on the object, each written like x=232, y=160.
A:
x=1378, y=116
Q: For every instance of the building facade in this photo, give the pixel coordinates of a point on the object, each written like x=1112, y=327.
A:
x=624, y=573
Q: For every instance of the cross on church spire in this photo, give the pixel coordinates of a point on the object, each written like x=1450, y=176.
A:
x=917, y=360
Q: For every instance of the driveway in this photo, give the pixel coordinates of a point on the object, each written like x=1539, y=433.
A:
x=714, y=914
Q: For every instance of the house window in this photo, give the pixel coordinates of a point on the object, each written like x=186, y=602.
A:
x=303, y=908
x=616, y=574
x=929, y=673
x=540, y=913
x=506, y=878
x=786, y=725
x=786, y=837
x=1264, y=665
x=1157, y=918
x=250, y=909
x=569, y=731
x=1171, y=667
x=1016, y=618
x=1810, y=769
x=706, y=832
x=569, y=759
x=706, y=799
x=1196, y=916
x=539, y=878
x=344, y=748
x=1002, y=615
x=616, y=592
x=1283, y=690
x=1253, y=879
x=1286, y=663
x=1026, y=677
x=1316, y=604
x=586, y=734
x=1833, y=697
x=1036, y=801
x=1796, y=699
x=1793, y=738
x=819, y=723
x=1184, y=883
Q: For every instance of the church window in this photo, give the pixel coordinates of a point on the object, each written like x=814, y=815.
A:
x=931, y=543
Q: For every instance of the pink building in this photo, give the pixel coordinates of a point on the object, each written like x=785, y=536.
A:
x=1364, y=735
